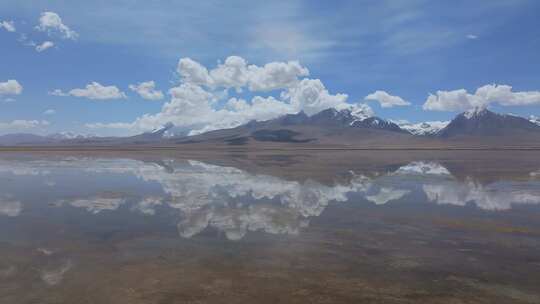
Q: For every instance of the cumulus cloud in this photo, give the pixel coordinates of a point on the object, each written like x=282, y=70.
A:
x=94, y=91
x=49, y=112
x=311, y=96
x=10, y=87
x=44, y=46
x=147, y=90
x=236, y=73
x=51, y=22
x=194, y=102
x=386, y=100
x=484, y=96
x=472, y=37
x=275, y=75
x=8, y=26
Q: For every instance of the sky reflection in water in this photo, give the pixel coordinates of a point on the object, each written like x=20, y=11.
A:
x=146, y=230
x=232, y=200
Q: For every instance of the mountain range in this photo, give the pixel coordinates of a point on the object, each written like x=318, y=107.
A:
x=475, y=128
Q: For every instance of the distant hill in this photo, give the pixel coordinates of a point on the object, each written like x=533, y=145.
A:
x=337, y=128
x=21, y=139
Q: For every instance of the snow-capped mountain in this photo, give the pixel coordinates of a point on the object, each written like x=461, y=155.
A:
x=69, y=135
x=535, y=120
x=168, y=130
x=427, y=128
x=340, y=118
x=347, y=126
x=482, y=122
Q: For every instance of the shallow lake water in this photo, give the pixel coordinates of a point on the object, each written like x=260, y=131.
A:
x=354, y=227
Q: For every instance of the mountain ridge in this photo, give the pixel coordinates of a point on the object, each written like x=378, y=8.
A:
x=327, y=127
x=482, y=122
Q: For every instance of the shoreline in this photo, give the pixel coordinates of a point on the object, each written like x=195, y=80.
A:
x=248, y=149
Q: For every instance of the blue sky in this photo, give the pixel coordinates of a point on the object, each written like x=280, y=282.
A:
x=407, y=49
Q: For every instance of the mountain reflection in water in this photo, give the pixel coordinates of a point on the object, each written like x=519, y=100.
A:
x=234, y=201
x=318, y=228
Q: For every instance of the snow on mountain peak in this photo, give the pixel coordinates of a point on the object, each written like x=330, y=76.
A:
x=358, y=111
x=535, y=120
x=475, y=112
x=69, y=135
x=422, y=128
x=163, y=128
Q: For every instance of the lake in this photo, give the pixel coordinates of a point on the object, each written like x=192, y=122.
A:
x=270, y=227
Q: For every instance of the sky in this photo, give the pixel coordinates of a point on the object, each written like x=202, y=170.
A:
x=122, y=67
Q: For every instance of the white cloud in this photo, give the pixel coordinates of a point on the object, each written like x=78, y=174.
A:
x=10, y=208
x=472, y=37
x=311, y=96
x=20, y=125
x=51, y=22
x=486, y=197
x=194, y=107
x=236, y=73
x=147, y=90
x=49, y=112
x=147, y=206
x=275, y=75
x=386, y=100
x=94, y=91
x=441, y=187
x=207, y=194
x=10, y=87
x=97, y=204
x=489, y=94
x=8, y=26
x=44, y=46
x=387, y=194
x=231, y=74
x=58, y=92
x=193, y=72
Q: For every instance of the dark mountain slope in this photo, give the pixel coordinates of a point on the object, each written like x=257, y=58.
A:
x=482, y=122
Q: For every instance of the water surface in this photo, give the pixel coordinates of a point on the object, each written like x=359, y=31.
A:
x=277, y=228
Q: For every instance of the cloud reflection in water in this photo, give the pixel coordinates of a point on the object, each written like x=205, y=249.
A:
x=235, y=201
